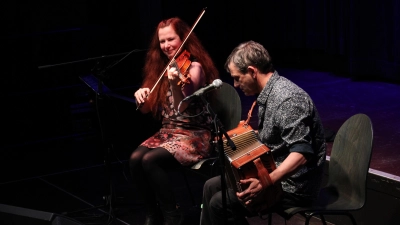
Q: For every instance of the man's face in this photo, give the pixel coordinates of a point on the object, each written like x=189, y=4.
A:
x=244, y=81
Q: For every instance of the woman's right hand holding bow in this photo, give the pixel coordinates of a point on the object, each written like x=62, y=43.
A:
x=141, y=95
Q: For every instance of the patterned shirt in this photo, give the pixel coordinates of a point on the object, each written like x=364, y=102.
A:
x=288, y=121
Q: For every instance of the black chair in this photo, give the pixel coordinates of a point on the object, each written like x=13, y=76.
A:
x=227, y=106
x=349, y=162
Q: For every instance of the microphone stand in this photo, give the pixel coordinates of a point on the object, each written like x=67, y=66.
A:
x=219, y=131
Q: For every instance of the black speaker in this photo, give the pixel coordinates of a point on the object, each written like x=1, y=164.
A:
x=12, y=215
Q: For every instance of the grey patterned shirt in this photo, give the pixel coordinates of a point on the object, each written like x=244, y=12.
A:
x=288, y=121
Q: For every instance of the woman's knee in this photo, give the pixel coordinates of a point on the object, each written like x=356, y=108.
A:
x=136, y=157
x=159, y=158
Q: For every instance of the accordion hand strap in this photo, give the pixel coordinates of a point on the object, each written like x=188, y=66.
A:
x=262, y=173
x=250, y=112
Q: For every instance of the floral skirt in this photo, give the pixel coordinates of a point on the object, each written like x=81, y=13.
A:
x=187, y=146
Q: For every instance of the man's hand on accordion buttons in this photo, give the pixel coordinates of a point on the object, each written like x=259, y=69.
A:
x=254, y=188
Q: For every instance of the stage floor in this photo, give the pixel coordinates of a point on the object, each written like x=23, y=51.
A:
x=338, y=98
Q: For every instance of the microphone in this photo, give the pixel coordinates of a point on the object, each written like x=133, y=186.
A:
x=217, y=83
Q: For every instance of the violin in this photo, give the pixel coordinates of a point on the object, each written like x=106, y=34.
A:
x=182, y=63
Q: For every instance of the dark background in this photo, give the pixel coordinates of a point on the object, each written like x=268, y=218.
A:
x=50, y=117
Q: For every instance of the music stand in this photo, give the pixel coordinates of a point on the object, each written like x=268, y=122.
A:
x=102, y=91
x=95, y=83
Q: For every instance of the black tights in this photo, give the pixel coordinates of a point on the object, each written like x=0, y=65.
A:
x=149, y=170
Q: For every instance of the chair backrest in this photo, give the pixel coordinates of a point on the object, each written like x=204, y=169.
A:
x=227, y=105
x=350, y=159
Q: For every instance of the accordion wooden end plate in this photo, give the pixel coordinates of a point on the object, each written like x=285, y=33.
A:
x=240, y=164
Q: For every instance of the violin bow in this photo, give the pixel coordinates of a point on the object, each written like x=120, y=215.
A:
x=176, y=53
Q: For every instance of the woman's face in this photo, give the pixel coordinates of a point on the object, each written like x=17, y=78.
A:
x=169, y=41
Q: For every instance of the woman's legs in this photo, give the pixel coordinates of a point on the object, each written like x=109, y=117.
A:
x=149, y=167
x=156, y=164
x=143, y=185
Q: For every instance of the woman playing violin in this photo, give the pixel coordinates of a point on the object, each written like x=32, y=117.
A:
x=185, y=135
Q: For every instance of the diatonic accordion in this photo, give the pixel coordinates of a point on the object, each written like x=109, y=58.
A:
x=250, y=159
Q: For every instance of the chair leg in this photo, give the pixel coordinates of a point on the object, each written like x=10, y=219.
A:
x=351, y=218
x=269, y=218
x=309, y=216
x=322, y=219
